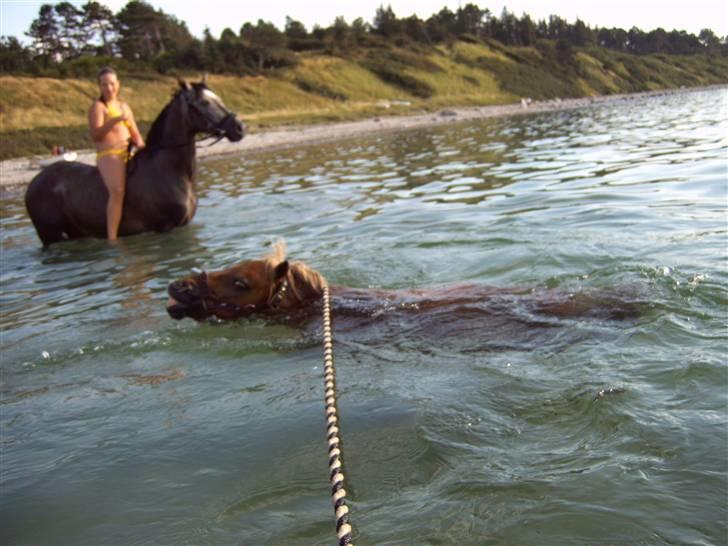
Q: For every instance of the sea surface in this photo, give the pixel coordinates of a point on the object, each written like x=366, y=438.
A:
x=120, y=426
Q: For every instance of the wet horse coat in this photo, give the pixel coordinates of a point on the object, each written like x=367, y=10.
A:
x=275, y=289
x=67, y=200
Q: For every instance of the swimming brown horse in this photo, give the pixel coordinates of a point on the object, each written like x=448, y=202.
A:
x=274, y=288
x=67, y=200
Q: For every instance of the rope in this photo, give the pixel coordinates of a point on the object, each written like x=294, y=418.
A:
x=338, y=493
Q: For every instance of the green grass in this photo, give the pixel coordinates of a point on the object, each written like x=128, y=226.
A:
x=37, y=113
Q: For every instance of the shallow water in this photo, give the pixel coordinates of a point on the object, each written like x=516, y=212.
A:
x=121, y=426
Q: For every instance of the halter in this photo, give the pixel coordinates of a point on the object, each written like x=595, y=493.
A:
x=278, y=294
x=212, y=130
x=215, y=130
x=211, y=303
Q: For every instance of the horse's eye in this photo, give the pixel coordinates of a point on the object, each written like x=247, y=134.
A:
x=241, y=285
x=205, y=102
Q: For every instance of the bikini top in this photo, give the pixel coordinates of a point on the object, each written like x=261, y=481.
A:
x=115, y=112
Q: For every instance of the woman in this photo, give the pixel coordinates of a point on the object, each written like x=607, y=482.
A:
x=113, y=129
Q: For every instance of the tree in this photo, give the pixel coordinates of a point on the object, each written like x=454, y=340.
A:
x=13, y=56
x=74, y=34
x=295, y=30
x=709, y=40
x=612, y=38
x=446, y=20
x=101, y=22
x=581, y=35
x=507, y=29
x=558, y=27
x=655, y=41
x=636, y=41
x=413, y=27
x=341, y=35
x=359, y=28
x=45, y=32
x=469, y=20
x=146, y=32
x=386, y=22
x=526, y=31
x=265, y=43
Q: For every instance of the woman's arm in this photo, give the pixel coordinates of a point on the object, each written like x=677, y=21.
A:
x=96, y=124
x=136, y=136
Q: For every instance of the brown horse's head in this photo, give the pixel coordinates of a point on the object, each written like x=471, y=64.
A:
x=256, y=286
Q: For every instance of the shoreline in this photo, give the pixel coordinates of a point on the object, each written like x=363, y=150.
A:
x=16, y=173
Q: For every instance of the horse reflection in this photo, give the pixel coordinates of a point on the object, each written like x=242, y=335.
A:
x=67, y=200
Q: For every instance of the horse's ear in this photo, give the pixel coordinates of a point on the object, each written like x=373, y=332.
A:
x=281, y=270
x=184, y=84
x=203, y=79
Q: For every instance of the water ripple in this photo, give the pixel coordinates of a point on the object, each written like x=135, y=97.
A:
x=487, y=425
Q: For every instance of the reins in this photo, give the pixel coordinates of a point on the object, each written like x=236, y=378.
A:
x=338, y=493
x=213, y=130
x=194, y=140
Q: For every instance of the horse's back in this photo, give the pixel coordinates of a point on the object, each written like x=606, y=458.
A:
x=59, y=172
x=59, y=194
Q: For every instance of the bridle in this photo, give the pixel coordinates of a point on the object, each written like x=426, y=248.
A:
x=211, y=304
x=211, y=130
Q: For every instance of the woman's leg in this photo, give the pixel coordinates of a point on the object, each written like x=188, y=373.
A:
x=113, y=173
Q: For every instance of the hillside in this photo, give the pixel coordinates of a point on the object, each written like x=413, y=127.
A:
x=36, y=113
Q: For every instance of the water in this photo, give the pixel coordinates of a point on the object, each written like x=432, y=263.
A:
x=121, y=426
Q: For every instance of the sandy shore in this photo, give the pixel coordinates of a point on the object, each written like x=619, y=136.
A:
x=16, y=173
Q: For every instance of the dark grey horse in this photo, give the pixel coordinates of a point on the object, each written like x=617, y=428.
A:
x=67, y=200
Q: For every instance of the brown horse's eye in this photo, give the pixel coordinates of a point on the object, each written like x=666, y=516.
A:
x=241, y=285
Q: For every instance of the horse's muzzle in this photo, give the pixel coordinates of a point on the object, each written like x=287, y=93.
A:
x=233, y=128
x=184, y=300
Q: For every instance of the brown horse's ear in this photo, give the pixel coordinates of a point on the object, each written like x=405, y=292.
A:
x=281, y=270
x=184, y=84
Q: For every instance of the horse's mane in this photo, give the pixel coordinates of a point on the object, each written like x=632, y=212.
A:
x=302, y=278
x=156, y=131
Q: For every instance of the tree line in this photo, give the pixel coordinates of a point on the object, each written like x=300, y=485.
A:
x=74, y=40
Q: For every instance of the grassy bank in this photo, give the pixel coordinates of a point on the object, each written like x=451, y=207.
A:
x=36, y=113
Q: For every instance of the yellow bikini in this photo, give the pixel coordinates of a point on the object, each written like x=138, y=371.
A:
x=121, y=153
x=115, y=112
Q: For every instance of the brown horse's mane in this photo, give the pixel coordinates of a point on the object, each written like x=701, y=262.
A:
x=303, y=281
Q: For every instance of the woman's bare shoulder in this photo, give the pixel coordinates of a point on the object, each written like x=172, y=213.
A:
x=96, y=106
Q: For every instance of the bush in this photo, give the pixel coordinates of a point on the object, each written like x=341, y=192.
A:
x=318, y=88
x=395, y=76
x=525, y=80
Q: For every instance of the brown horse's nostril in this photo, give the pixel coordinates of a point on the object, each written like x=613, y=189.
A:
x=178, y=286
x=184, y=288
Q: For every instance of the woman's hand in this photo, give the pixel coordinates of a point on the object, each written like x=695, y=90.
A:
x=124, y=117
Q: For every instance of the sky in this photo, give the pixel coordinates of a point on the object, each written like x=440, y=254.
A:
x=691, y=16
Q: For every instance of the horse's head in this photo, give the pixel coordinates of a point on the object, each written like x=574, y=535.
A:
x=208, y=113
x=246, y=288
x=255, y=286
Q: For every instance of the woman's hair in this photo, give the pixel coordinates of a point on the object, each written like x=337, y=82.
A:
x=102, y=72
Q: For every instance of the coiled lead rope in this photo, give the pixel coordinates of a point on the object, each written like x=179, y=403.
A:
x=338, y=493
